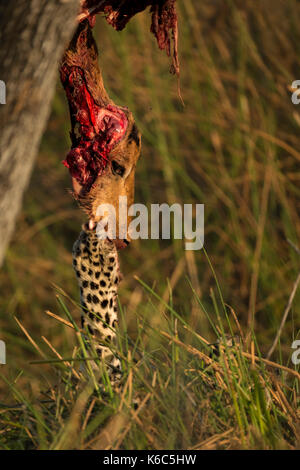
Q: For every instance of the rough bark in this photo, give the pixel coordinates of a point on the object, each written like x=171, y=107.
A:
x=33, y=35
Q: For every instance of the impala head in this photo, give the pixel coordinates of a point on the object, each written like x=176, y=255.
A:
x=106, y=143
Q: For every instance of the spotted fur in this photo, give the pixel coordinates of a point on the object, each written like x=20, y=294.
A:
x=97, y=269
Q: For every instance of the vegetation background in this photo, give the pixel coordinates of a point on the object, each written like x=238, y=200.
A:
x=234, y=146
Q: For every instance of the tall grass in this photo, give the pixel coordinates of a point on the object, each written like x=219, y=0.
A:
x=234, y=146
x=175, y=394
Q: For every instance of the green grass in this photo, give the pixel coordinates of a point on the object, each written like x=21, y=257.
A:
x=235, y=148
x=191, y=394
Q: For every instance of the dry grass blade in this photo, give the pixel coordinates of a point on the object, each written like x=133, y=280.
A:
x=285, y=315
x=236, y=322
x=60, y=319
x=88, y=413
x=60, y=357
x=211, y=442
x=30, y=338
x=271, y=364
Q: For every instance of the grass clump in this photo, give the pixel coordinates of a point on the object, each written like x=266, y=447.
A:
x=178, y=391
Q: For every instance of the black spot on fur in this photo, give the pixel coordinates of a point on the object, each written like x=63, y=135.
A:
x=83, y=268
x=116, y=280
x=94, y=285
x=111, y=259
x=97, y=275
x=107, y=318
x=84, y=284
x=104, y=303
x=90, y=272
x=89, y=298
x=95, y=263
x=75, y=262
x=102, y=283
x=107, y=274
x=90, y=330
x=134, y=135
x=111, y=303
x=95, y=299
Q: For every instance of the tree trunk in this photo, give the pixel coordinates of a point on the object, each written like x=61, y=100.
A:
x=33, y=36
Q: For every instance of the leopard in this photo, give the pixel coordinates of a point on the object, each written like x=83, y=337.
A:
x=96, y=265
